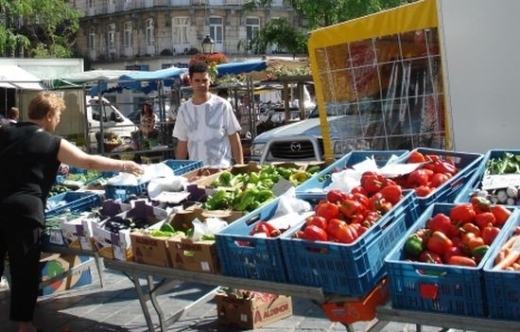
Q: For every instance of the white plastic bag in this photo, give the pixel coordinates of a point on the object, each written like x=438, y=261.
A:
x=171, y=184
x=123, y=179
x=154, y=171
x=344, y=180
x=211, y=226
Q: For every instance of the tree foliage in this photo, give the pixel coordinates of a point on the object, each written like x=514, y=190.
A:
x=318, y=13
x=322, y=13
x=282, y=33
x=44, y=28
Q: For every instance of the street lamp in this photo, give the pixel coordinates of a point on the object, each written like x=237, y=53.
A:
x=207, y=45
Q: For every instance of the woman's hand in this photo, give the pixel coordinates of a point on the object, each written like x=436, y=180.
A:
x=131, y=167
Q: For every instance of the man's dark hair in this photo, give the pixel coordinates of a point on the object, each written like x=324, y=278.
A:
x=198, y=67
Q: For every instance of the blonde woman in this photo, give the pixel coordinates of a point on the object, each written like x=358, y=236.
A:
x=29, y=159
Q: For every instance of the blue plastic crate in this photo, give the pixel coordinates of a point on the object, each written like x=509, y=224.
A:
x=502, y=287
x=181, y=167
x=476, y=180
x=124, y=192
x=349, y=269
x=245, y=256
x=440, y=288
x=73, y=201
x=315, y=186
x=466, y=162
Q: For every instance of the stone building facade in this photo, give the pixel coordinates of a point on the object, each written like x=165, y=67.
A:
x=155, y=34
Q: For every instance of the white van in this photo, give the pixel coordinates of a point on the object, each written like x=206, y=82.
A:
x=112, y=119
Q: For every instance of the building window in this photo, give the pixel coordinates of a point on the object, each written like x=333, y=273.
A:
x=252, y=27
x=91, y=3
x=127, y=36
x=92, y=39
x=180, y=30
x=111, y=37
x=216, y=29
x=149, y=32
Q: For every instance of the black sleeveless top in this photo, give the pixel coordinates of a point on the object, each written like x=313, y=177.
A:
x=28, y=167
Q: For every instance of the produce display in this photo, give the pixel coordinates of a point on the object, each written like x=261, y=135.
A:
x=58, y=189
x=248, y=191
x=508, y=193
x=433, y=172
x=344, y=217
x=508, y=258
x=357, y=228
x=117, y=223
x=167, y=231
x=461, y=237
x=84, y=177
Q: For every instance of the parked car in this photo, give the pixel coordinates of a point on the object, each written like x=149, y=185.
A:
x=114, y=122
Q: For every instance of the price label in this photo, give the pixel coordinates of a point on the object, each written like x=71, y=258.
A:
x=85, y=243
x=56, y=237
x=500, y=181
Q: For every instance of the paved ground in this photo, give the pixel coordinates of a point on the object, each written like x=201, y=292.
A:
x=116, y=308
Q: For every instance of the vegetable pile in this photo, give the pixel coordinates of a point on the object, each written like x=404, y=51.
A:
x=509, y=195
x=344, y=217
x=434, y=172
x=167, y=231
x=247, y=191
x=508, y=258
x=461, y=238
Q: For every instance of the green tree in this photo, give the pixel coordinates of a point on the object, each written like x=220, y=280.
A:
x=281, y=33
x=322, y=13
x=44, y=28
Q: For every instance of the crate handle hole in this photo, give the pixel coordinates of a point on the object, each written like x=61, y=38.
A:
x=249, y=244
x=315, y=250
x=429, y=291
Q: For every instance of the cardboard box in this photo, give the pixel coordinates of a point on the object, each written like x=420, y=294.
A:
x=183, y=220
x=55, y=265
x=201, y=173
x=147, y=249
x=235, y=170
x=119, y=245
x=252, y=313
x=196, y=256
x=76, y=233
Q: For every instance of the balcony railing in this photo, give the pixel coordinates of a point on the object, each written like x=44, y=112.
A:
x=122, y=6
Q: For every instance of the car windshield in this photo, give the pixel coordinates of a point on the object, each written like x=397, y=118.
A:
x=347, y=108
x=314, y=114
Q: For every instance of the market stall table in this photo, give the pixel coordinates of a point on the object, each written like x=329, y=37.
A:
x=134, y=271
x=96, y=260
x=386, y=314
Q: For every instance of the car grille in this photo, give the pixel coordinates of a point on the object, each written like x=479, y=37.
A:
x=293, y=150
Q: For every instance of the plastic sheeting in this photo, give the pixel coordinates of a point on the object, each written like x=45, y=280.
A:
x=382, y=74
x=14, y=77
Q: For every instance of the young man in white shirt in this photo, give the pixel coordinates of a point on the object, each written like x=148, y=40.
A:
x=206, y=128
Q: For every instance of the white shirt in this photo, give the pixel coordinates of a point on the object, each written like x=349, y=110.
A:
x=206, y=128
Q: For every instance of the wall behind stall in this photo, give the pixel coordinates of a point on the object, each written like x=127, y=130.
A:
x=72, y=119
x=481, y=65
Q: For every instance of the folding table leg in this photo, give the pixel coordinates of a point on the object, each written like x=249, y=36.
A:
x=142, y=301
